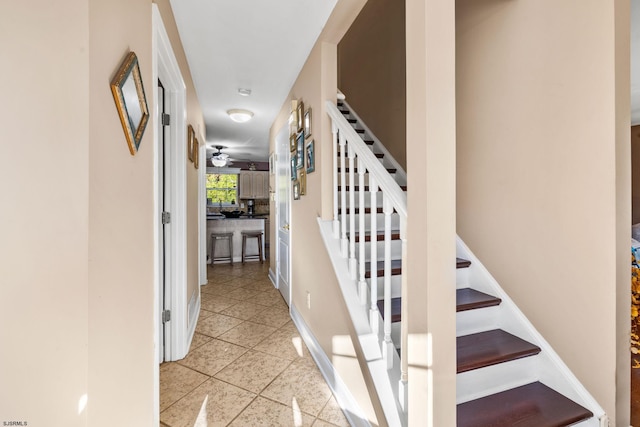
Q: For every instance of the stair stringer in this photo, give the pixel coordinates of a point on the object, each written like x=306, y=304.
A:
x=550, y=369
x=385, y=381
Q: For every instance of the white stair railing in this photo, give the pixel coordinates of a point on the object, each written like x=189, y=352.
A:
x=349, y=146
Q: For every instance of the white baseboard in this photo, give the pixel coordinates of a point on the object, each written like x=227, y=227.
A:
x=194, y=312
x=343, y=395
x=272, y=276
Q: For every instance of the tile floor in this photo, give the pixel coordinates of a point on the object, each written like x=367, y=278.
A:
x=248, y=358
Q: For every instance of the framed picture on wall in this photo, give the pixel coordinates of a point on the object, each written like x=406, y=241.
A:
x=303, y=182
x=292, y=142
x=191, y=135
x=294, y=168
x=196, y=153
x=307, y=123
x=300, y=150
x=300, y=115
x=131, y=101
x=296, y=190
x=311, y=156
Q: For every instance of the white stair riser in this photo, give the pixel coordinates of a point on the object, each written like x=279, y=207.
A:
x=462, y=278
x=493, y=379
x=396, y=286
x=478, y=320
x=356, y=178
x=395, y=221
x=367, y=199
x=396, y=250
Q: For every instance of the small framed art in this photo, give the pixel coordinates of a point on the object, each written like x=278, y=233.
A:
x=300, y=150
x=311, y=156
x=307, y=123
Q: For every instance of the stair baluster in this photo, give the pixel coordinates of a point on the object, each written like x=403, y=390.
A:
x=353, y=265
x=387, y=346
x=362, y=285
x=374, y=316
x=336, y=219
x=343, y=199
x=403, y=386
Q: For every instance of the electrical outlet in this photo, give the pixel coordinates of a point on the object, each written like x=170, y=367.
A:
x=309, y=300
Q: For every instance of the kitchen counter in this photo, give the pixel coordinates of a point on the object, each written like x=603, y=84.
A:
x=235, y=226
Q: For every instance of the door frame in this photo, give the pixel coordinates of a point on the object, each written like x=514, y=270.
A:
x=280, y=159
x=165, y=67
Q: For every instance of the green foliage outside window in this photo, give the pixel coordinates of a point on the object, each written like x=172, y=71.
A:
x=222, y=188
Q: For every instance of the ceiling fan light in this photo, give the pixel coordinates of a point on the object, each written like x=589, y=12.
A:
x=240, y=116
x=218, y=162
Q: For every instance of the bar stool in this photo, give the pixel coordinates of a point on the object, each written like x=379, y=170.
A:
x=250, y=235
x=214, y=240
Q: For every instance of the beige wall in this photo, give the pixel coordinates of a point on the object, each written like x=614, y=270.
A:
x=635, y=174
x=543, y=183
x=77, y=252
x=121, y=233
x=44, y=160
x=371, y=72
x=312, y=271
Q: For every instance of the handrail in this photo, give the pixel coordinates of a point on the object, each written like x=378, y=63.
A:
x=388, y=185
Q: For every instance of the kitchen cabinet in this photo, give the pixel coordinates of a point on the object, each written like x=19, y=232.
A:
x=254, y=184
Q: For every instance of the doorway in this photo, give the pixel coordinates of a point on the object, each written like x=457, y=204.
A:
x=283, y=214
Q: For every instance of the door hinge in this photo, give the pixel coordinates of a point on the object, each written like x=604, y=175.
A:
x=166, y=316
x=166, y=119
x=166, y=218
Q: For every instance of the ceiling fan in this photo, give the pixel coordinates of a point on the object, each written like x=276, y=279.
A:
x=220, y=159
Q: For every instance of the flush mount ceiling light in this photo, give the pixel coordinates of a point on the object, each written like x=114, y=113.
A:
x=240, y=116
x=244, y=92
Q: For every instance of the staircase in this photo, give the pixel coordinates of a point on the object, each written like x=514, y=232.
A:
x=507, y=374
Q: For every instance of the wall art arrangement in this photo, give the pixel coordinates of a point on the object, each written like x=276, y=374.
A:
x=131, y=102
x=302, y=147
x=196, y=153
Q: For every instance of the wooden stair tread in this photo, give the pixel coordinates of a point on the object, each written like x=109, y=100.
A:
x=379, y=155
x=531, y=405
x=470, y=299
x=396, y=268
x=366, y=188
x=462, y=263
x=366, y=210
x=463, y=299
x=395, y=235
x=490, y=348
x=390, y=170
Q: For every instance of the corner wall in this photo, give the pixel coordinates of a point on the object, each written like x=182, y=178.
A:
x=372, y=69
x=44, y=162
x=543, y=182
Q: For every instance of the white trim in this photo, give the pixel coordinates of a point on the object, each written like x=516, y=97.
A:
x=343, y=395
x=165, y=65
x=273, y=277
x=202, y=215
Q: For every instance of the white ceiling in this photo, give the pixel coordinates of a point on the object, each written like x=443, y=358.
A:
x=262, y=45
x=253, y=44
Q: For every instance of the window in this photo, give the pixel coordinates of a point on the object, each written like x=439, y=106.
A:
x=222, y=189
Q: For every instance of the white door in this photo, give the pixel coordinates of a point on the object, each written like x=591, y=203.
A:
x=283, y=183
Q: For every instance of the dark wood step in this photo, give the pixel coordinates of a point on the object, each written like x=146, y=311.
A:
x=368, y=141
x=359, y=130
x=352, y=120
x=470, y=299
x=390, y=170
x=396, y=309
x=344, y=112
x=462, y=263
x=396, y=268
x=462, y=300
x=366, y=188
x=531, y=405
x=366, y=210
x=395, y=235
x=490, y=348
x=379, y=155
